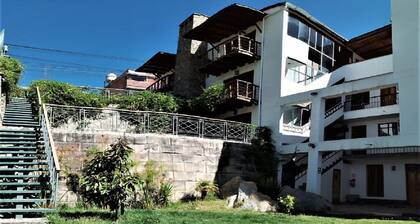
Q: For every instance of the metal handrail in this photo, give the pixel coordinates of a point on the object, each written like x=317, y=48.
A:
x=240, y=89
x=126, y=121
x=238, y=43
x=51, y=153
x=333, y=109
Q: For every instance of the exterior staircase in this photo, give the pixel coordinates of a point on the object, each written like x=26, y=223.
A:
x=25, y=184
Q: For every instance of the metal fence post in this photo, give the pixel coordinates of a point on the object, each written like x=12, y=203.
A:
x=225, y=136
x=201, y=128
x=175, y=125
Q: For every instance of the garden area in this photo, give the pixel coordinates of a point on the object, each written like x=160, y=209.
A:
x=209, y=212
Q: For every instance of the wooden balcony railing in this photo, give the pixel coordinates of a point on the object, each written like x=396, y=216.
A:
x=237, y=44
x=242, y=90
x=162, y=84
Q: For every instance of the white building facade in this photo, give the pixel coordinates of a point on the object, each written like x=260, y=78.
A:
x=345, y=114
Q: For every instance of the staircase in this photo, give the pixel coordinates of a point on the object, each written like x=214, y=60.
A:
x=25, y=184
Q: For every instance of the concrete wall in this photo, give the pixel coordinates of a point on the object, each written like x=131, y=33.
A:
x=186, y=160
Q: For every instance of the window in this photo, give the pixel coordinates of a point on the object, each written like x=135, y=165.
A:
x=312, y=37
x=138, y=78
x=389, y=96
x=357, y=101
x=327, y=63
x=318, y=41
x=375, y=180
x=328, y=47
x=293, y=27
x=314, y=56
x=303, y=32
x=358, y=131
x=389, y=129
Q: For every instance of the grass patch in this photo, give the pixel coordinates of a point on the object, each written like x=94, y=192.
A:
x=208, y=212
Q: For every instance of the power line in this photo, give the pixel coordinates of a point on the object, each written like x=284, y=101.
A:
x=30, y=59
x=74, y=53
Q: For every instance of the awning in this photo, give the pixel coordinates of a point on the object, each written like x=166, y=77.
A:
x=226, y=22
x=373, y=44
x=159, y=64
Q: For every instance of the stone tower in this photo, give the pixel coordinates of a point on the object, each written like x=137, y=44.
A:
x=190, y=57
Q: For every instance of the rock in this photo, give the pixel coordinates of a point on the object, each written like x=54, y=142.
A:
x=305, y=201
x=231, y=187
x=230, y=201
x=259, y=202
x=246, y=189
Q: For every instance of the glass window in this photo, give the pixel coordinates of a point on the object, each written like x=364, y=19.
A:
x=314, y=56
x=328, y=47
x=293, y=27
x=388, y=129
x=318, y=41
x=303, y=32
x=139, y=78
x=327, y=63
x=312, y=37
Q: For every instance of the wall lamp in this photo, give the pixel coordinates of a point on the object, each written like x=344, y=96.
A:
x=312, y=145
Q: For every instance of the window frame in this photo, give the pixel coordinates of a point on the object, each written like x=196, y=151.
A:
x=391, y=127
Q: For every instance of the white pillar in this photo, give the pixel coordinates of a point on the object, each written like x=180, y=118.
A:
x=317, y=120
x=313, y=174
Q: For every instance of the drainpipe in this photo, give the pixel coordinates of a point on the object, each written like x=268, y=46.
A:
x=262, y=74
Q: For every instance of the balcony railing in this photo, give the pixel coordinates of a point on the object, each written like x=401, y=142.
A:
x=242, y=90
x=236, y=44
x=162, y=84
x=232, y=53
x=375, y=101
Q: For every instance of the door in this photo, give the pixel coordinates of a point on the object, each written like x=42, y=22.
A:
x=413, y=184
x=336, y=186
x=389, y=96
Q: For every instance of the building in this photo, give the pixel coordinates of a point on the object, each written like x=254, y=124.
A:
x=344, y=113
x=132, y=80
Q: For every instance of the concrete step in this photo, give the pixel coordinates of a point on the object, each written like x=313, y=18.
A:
x=17, y=184
x=19, y=176
x=22, y=201
x=22, y=169
x=13, y=163
x=23, y=191
x=17, y=147
x=19, y=152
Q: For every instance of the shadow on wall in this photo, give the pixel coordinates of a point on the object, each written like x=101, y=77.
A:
x=250, y=165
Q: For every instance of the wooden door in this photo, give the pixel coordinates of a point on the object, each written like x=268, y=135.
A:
x=413, y=184
x=336, y=186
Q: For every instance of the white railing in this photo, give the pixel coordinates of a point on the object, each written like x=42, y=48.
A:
x=89, y=119
x=296, y=129
x=49, y=147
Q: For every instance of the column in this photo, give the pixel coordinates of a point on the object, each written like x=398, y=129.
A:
x=313, y=174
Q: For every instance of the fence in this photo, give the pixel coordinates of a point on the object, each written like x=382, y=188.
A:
x=107, y=92
x=89, y=119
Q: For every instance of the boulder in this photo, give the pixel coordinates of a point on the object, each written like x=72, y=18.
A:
x=306, y=202
x=259, y=202
x=230, y=188
x=246, y=189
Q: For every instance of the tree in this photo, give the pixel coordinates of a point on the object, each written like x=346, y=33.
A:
x=107, y=180
x=10, y=70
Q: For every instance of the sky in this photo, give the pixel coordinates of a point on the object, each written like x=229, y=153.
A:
x=116, y=35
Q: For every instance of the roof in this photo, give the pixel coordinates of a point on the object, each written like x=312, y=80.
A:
x=160, y=63
x=228, y=21
x=302, y=14
x=373, y=44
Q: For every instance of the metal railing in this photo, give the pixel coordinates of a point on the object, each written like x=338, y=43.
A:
x=372, y=102
x=107, y=92
x=236, y=44
x=49, y=148
x=333, y=109
x=242, y=90
x=162, y=84
x=88, y=119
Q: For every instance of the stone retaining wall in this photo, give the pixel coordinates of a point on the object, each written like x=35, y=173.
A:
x=186, y=160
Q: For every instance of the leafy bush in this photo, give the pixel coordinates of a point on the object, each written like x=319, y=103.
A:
x=62, y=93
x=209, y=102
x=10, y=70
x=206, y=188
x=107, y=180
x=154, y=190
x=148, y=101
x=287, y=203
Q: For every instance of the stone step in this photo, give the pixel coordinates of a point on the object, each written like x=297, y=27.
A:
x=22, y=163
x=22, y=201
x=19, y=152
x=23, y=191
x=2, y=158
x=22, y=169
x=32, y=184
x=19, y=176
x=19, y=142
x=17, y=130
x=21, y=125
x=17, y=147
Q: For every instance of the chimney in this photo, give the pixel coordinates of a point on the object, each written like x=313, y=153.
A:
x=190, y=57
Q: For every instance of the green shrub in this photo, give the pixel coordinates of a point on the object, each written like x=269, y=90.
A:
x=148, y=101
x=207, y=188
x=209, y=102
x=10, y=70
x=107, y=181
x=287, y=203
x=155, y=192
x=54, y=92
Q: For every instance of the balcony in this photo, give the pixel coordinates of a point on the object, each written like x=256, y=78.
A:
x=372, y=102
x=231, y=54
x=163, y=84
x=241, y=93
